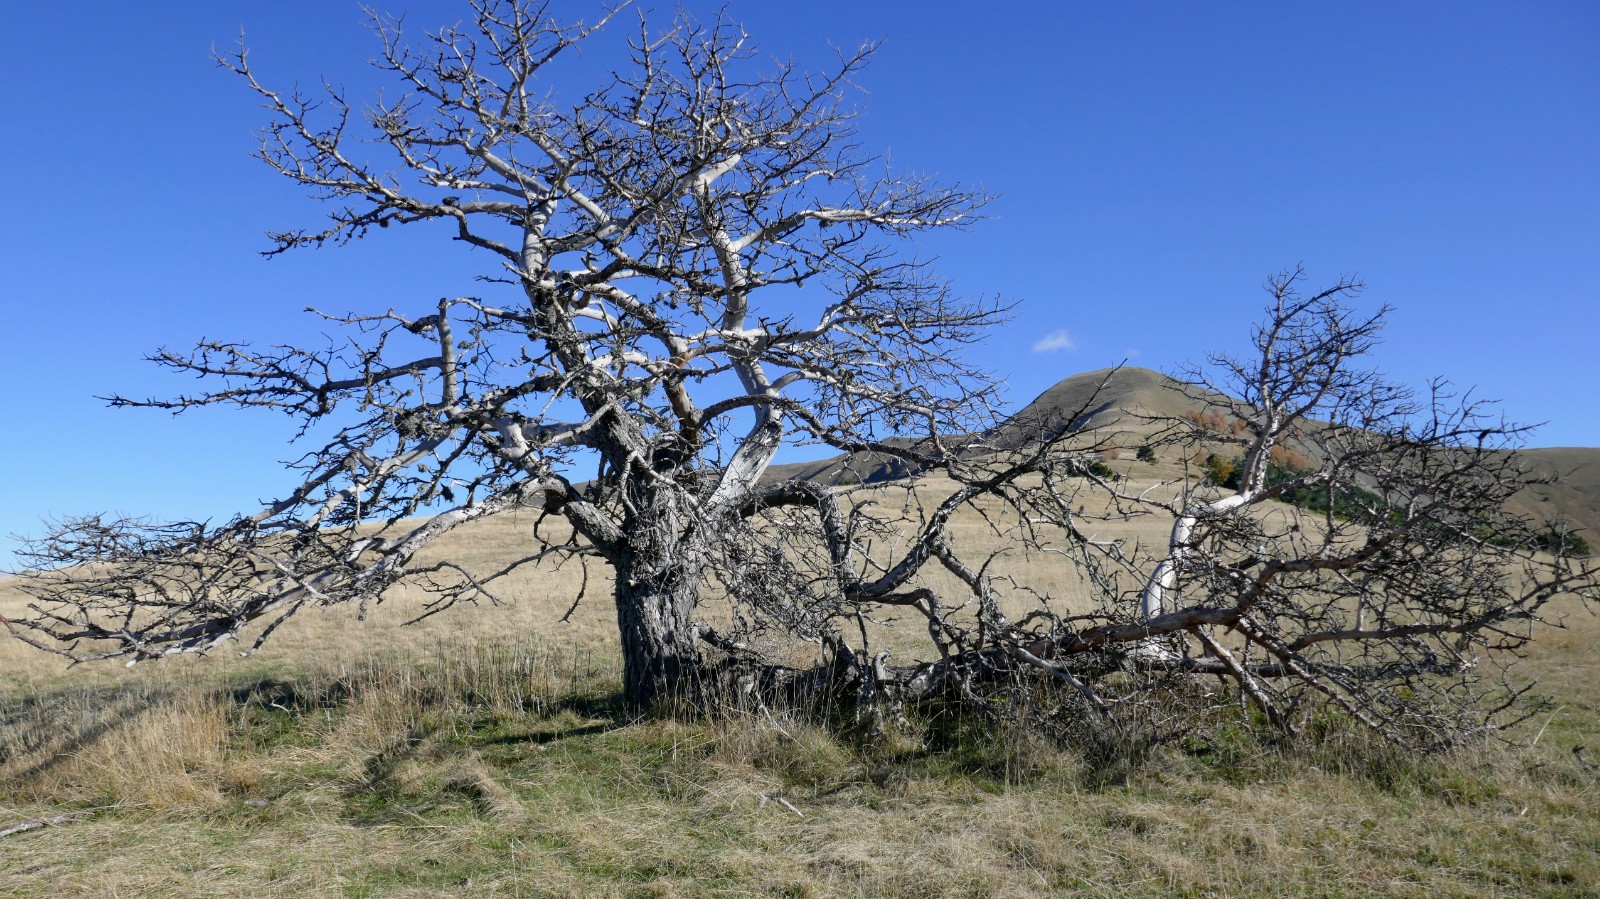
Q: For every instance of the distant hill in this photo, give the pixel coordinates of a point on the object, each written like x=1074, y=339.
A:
x=1574, y=494
x=1131, y=398
x=1090, y=400
x=1094, y=400
x=851, y=468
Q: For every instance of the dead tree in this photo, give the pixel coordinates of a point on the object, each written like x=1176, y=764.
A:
x=1360, y=559
x=692, y=264
x=1360, y=549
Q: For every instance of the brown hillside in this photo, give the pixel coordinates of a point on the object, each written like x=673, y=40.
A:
x=1097, y=399
x=1135, y=399
x=850, y=468
x=1123, y=397
x=1574, y=492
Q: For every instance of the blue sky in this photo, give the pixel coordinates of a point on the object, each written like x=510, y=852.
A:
x=1154, y=162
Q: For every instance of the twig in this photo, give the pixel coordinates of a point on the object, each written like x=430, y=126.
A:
x=1546, y=727
x=54, y=821
x=771, y=719
x=765, y=798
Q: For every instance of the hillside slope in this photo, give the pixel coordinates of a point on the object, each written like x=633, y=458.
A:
x=1135, y=401
x=1127, y=398
x=1573, y=495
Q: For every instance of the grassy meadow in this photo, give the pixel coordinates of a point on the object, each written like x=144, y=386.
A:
x=483, y=753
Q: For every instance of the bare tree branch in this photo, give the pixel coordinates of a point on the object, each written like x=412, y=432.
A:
x=692, y=264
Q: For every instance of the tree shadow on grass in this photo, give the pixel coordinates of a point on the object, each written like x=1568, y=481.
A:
x=41, y=731
x=52, y=727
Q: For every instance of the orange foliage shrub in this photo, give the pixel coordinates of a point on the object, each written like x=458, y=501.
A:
x=1291, y=459
x=1216, y=421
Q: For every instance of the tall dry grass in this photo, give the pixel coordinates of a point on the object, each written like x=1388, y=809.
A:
x=474, y=768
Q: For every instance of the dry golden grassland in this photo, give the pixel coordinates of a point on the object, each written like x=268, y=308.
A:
x=483, y=753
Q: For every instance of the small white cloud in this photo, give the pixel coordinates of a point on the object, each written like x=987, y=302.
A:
x=1055, y=340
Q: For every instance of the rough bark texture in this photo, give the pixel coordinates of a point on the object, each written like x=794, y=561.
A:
x=660, y=646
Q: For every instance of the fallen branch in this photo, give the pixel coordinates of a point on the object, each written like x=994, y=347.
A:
x=766, y=798
x=54, y=821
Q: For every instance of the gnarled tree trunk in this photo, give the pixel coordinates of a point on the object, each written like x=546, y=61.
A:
x=660, y=652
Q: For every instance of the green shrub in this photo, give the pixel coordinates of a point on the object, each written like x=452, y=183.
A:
x=1550, y=540
x=1102, y=470
x=1347, y=500
x=1221, y=471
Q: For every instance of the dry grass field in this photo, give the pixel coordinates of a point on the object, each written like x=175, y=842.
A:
x=483, y=753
